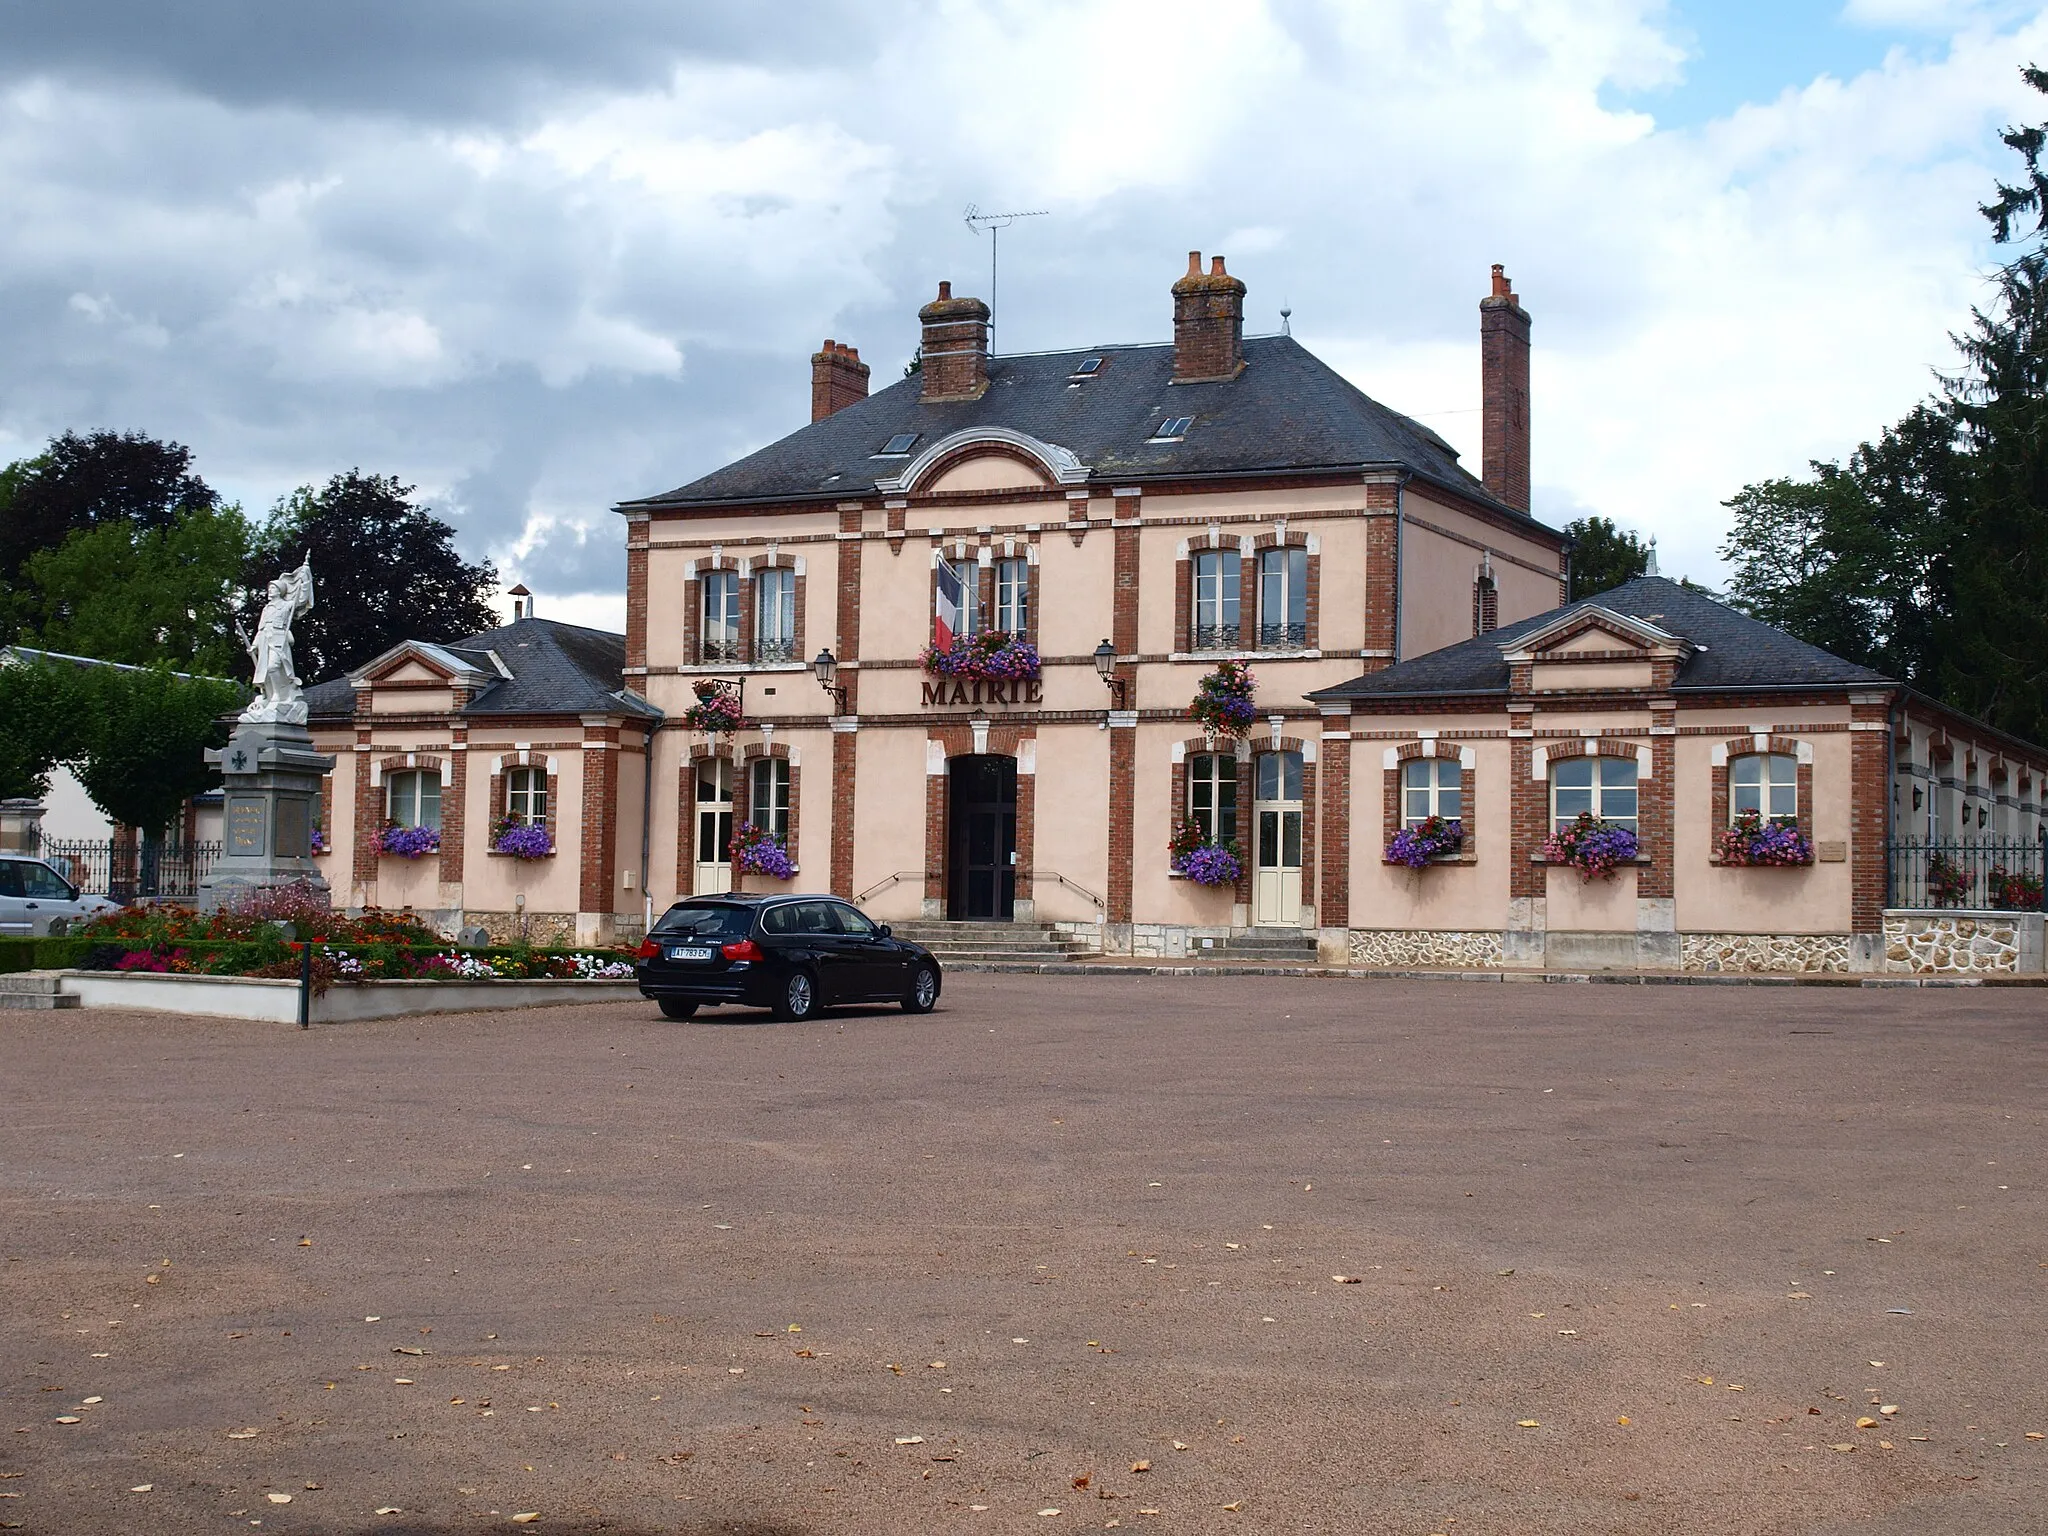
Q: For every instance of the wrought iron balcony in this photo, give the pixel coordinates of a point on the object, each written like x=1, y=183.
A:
x=771, y=652
x=1215, y=637
x=719, y=650
x=1282, y=637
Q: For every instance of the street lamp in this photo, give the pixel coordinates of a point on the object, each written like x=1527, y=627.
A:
x=826, y=667
x=1105, y=668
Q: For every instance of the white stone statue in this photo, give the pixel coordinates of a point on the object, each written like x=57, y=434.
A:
x=279, y=695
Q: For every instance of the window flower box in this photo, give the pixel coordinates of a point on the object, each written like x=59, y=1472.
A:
x=408, y=842
x=757, y=851
x=717, y=709
x=518, y=838
x=1595, y=848
x=1224, y=700
x=1204, y=860
x=1432, y=840
x=1753, y=842
x=994, y=654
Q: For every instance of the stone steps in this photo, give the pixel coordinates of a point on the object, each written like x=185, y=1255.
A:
x=35, y=990
x=990, y=943
x=1263, y=946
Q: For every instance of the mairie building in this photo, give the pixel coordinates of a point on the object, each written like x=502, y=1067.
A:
x=942, y=643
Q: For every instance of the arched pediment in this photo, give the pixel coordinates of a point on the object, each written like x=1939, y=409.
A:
x=1053, y=464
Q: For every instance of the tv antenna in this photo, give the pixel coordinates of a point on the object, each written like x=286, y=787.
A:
x=994, y=223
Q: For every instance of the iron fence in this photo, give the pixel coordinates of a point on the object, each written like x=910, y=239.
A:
x=1999, y=876
x=124, y=869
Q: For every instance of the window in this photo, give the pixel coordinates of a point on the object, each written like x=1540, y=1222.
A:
x=721, y=636
x=768, y=805
x=1283, y=599
x=1013, y=596
x=1214, y=626
x=775, y=616
x=714, y=810
x=1432, y=786
x=412, y=798
x=1603, y=786
x=1087, y=367
x=854, y=922
x=959, y=601
x=526, y=795
x=1212, y=795
x=707, y=920
x=1172, y=430
x=1764, y=782
x=898, y=445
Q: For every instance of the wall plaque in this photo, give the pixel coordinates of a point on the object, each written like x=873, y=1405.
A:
x=294, y=833
x=246, y=826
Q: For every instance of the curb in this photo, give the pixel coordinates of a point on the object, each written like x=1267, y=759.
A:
x=1565, y=978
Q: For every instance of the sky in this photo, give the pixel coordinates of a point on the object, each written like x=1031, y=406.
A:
x=536, y=258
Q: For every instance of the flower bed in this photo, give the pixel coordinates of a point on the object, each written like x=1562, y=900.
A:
x=1948, y=880
x=758, y=851
x=1204, y=860
x=521, y=839
x=993, y=654
x=1758, y=843
x=408, y=842
x=716, y=709
x=2015, y=890
x=1595, y=848
x=1435, y=837
x=1224, y=700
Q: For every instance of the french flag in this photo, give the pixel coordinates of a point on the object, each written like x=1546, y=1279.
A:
x=949, y=607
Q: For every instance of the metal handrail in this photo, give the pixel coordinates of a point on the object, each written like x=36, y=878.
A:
x=1072, y=885
x=901, y=874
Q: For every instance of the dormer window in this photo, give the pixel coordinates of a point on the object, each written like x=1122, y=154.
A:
x=897, y=447
x=1172, y=430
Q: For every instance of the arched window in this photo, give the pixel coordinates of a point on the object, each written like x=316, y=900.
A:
x=412, y=797
x=1431, y=786
x=1764, y=782
x=1605, y=787
x=1212, y=795
x=768, y=803
x=526, y=795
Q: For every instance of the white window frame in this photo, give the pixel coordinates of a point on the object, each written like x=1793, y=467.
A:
x=1222, y=771
x=407, y=797
x=1283, y=590
x=1013, y=596
x=775, y=615
x=1618, y=769
x=1425, y=781
x=769, y=810
x=526, y=795
x=1217, y=595
x=1763, y=790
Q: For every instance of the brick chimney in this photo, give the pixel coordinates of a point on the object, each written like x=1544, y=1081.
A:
x=1208, y=324
x=955, y=347
x=838, y=379
x=1504, y=393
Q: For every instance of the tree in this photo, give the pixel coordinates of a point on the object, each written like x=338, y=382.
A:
x=43, y=712
x=1603, y=556
x=915, y=366
x=89, y=481
x=126, y=591
x=145, y=739
x=384, y=569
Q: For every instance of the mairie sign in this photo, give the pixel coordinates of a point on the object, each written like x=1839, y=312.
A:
x=983, y=690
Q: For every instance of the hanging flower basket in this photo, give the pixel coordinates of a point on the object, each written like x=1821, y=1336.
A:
x=1223, y=701
x=516, y=836
x=994, y=654
x=757, y=851
x=1433, y=838
x=2015, y=890
x=1758, y=843
x=408, y=842
x=717, y=709
x=1948, y=880
x=1595, y=848
x=1204, y=860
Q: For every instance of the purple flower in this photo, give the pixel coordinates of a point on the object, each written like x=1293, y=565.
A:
x=523, y=840
x=1224, y=699
x=1595, y=847
x=409, y=842
x=993, y=654
x=758, y=851
x=1429, y=839
x=1752, y=840
x=1211, y=865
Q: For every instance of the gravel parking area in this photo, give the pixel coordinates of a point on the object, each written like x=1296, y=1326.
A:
x=1064, y=1254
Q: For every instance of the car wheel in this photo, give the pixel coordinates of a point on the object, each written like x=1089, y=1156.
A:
x=677, y=1008
x=799, y=997
x=924, y=990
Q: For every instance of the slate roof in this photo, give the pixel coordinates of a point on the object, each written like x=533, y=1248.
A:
x=1730, y=651
x=1288, y=410
x=556, y=669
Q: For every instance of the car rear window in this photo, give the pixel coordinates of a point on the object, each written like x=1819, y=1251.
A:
x=707, y=920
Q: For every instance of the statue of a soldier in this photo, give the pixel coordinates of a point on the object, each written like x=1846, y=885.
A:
x=279, y=694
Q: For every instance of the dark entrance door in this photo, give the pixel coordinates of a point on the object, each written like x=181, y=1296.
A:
x=981, y=838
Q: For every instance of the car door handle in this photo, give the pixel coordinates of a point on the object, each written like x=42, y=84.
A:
x=32, y=906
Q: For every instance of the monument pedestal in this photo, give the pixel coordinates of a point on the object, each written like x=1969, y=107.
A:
x=270, y=801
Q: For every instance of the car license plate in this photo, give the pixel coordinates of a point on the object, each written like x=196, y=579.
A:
x=690, y=954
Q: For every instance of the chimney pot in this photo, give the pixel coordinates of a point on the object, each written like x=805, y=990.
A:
x=1208, y=323
x=838, y=379
x=1504, y=393
x=945, y=288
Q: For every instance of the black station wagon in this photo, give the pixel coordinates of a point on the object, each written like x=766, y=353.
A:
x=794, y=954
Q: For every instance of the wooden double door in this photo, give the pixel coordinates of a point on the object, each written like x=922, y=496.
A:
x=981, y=838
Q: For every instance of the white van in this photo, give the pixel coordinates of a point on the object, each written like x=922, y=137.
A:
x=36, y=901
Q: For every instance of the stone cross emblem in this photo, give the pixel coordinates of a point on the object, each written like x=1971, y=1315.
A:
x=279, y=695
x=240, y=760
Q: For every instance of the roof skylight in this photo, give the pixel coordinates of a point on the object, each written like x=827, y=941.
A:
x=1172, y=430
x=897, y=446
x=1088, y=365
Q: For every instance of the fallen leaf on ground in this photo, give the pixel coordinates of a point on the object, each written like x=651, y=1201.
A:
x=1889, y=1409
x=1866, y=1422
x=69, y=1418
x=528, y=1518
x=142, y=1488
x=278, y=1498
x=1082, y=1481
x=1179, y=1445
x=1347, y=1279
x=1238, y=1505
x=1622, y=1420
x=1528, y=1424
x=1843, y=1447
x=390, y=1509
x=1141, y=1466
x=910, y=1439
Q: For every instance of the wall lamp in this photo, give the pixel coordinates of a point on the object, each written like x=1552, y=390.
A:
x=1105, y=668
x=826, y=667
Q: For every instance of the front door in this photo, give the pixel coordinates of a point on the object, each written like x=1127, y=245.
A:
x=1276, y=820
x=714, y=827
x=981, y=838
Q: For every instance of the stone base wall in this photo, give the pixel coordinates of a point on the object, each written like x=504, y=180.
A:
x=1960, y=943
x=1764, y=952
x=1448, y=950
x=1171, y=941
x=543, y=930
